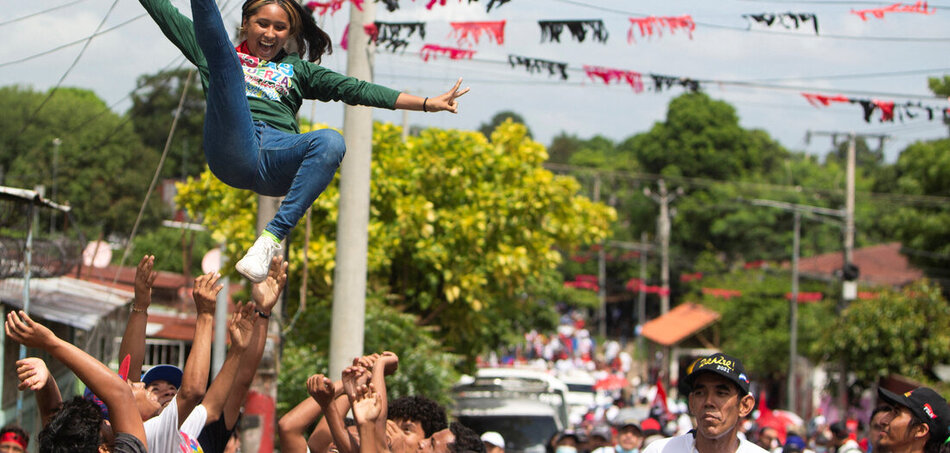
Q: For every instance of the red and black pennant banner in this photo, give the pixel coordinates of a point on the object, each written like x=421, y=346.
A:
x=537, y=65
x=788, y=20
x=878, y=13
x=331, y=6
x=889, y=109
x=468, y=33
x=650, y=25
x=551, y=30
x=392, y=5
x=454, y=53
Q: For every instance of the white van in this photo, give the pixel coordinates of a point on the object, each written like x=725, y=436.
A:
x=528, y=407
x=580, y=396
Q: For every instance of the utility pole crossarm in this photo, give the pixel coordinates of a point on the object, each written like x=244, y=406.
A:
x=839, y=213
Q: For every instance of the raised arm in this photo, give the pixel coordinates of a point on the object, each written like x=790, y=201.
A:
x=366, y=411
x=265, y=295
x=178, y=28
x=386, y=364
x=323, y=391
x=105, y=383
x=34, y=375
x=442, y=103
x=239, y=329
x=133, y=341
x=292, y=426
x=194, y=380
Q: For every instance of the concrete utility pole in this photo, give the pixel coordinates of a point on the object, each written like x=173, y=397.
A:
x=260, y=424
x=849, y=288
x=349, y=280
x=663, y=198
x=813, y=212
x=601, y=273
x=849, y=292
x=642, y=296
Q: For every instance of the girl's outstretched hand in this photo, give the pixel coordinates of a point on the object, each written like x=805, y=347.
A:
x=447, y=102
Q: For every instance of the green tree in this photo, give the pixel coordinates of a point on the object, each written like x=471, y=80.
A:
x=171, y=248
x=463, y=232
x=499, y=118
x=562, y=147
x=102, y=168
x=905, y=332
x=923, y=168
x=702, y=137
x=154, y=103
x=755, y=325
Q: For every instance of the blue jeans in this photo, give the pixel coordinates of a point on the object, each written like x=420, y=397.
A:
x=249, y=154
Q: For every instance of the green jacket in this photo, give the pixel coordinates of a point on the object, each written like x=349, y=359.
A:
x=275, y=89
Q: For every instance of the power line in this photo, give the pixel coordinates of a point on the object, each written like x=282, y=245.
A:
x=70, y=44
x=905, y=199
x=70, y=68
x=738, y=83
x=854, y=76
x=772, y=32
x=38, y=13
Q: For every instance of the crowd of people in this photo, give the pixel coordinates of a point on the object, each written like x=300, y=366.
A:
x=719, y=418
x=169, y=409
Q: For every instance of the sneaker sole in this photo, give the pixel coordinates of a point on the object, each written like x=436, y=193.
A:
x=246, y=273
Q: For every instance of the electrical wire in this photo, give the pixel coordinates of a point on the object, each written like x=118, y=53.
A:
x=855, y=76
x=39, y=13
x=69, y=69
x=70, y=44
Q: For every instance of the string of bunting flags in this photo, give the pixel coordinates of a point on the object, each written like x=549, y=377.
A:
x=889, y=109
x=396, y=37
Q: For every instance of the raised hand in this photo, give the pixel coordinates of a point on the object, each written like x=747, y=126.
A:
x=241, y=325
x=265, y=293
x=367, y=406
x=396, y=438
x=390, y=362
x=206, y=293
x=367, y=361
x=353, y=378
x=144, y=279
x=320, y=388
x=447, y=102
x=32, y=373
x=27, y=332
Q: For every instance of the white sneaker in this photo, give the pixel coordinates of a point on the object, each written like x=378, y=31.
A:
x=256, y=262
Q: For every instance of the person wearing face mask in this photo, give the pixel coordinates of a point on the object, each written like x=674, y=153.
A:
x=629, y=437
x=566, y=442
x=719, y=398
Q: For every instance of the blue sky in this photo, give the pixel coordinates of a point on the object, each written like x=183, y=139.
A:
x=866, y=58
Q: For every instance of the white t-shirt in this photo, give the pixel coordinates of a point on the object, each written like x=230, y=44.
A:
x=164, y=436
x=687, y=443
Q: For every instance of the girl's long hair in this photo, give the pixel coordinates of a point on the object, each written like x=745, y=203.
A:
x=310, y=39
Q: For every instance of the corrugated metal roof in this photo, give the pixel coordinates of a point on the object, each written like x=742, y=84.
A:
x=679, y=323
x=65, y=300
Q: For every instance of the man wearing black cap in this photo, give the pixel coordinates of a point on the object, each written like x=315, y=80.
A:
x=919, y=421
x=718, y=398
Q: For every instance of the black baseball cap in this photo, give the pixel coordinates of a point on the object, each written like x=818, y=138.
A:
x=724, y=365
x=927, y=405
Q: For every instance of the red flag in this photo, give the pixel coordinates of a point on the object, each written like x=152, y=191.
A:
x=661, y=397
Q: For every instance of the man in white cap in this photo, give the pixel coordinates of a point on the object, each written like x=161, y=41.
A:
x=493, y=441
